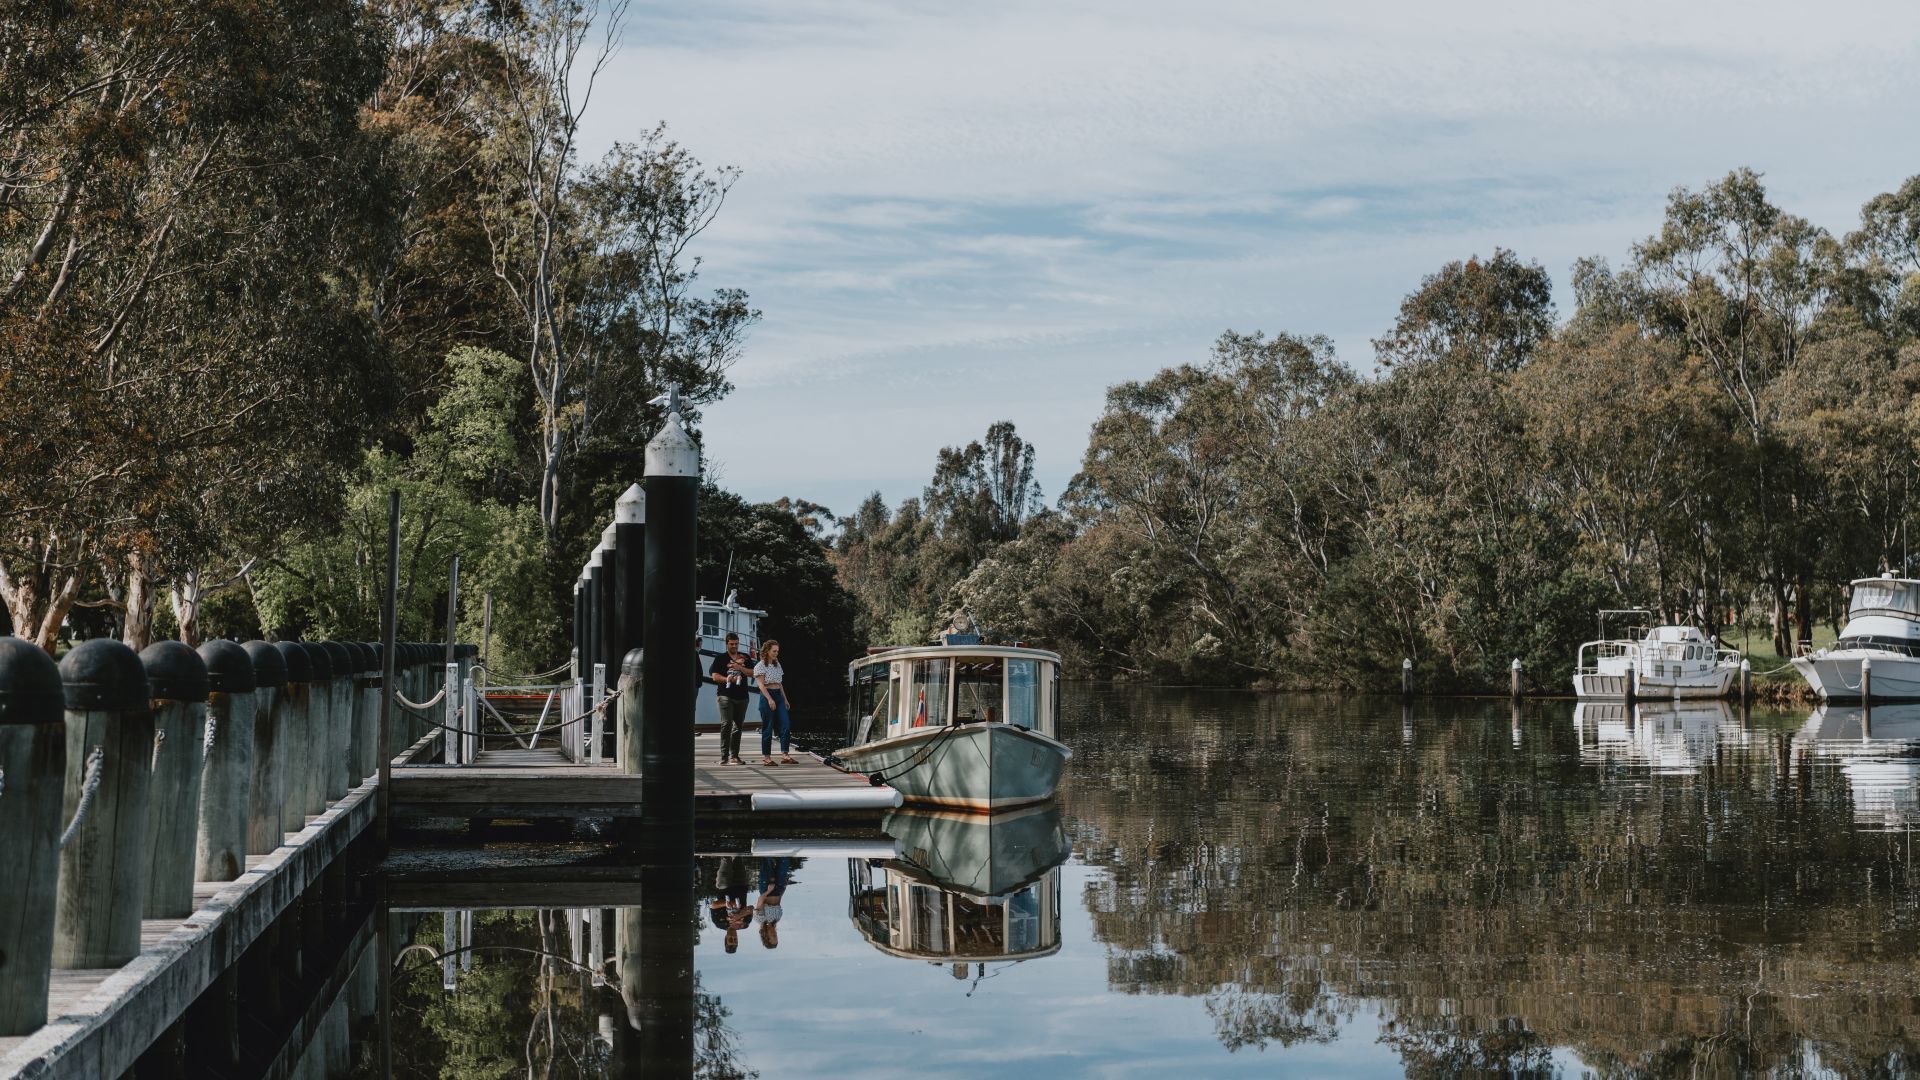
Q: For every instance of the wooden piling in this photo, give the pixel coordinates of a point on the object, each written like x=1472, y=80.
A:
x=266, y=788
x=33, y=761
x=294, y=719
x=629, y=719
x=1406, y=677
x=1866, y=686
x=313, y=800
x=177, y=685
x=1513, y=678
x=343, y=701
x=103, y=869
x=226, y=785
x=366, y=718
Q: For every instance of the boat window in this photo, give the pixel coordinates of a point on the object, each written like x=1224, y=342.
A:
x=873, y=698
x=1023, y=693
x=930, y=693
x=709, y=623
x=1023, y=919
x=1053, y=702
x=927, y=921
x=979, y=927
x=976, y=690
x=1885, y=596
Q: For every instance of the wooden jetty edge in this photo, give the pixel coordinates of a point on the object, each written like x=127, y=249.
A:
x=543, y=783
x=100, y=1020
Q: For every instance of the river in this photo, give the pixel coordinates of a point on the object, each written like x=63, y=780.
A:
x=1265, y=885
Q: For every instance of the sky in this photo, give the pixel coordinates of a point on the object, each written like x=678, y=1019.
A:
x=952, y=214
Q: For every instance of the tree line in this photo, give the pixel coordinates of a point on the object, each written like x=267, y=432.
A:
x=261, y=264
x=1723, y=430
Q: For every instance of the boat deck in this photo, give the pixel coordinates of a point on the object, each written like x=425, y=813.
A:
x=542, y=783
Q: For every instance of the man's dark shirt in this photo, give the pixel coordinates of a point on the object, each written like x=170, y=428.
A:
x=738, y=691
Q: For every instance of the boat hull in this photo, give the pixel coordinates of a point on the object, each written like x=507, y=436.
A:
x=980, y=767
x=981, y=855
x=1836, y=675
x=1717, y=683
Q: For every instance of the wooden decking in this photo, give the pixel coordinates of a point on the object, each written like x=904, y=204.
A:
x=542, y=783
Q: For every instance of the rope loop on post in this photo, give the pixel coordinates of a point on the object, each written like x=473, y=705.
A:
x=427, y=704
x=95, y=762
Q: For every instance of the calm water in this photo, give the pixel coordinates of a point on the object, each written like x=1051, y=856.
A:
x=1267, y=885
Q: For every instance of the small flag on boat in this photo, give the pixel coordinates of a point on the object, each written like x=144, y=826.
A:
x=920, y=714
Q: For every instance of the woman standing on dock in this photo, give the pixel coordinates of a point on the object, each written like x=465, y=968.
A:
x=774, y=708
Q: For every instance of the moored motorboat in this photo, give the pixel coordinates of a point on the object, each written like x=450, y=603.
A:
x=1676, y=663
x=961, y=724
x=1882, y=630
x=717, y=619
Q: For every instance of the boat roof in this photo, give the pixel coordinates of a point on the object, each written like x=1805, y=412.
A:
x=932, y=652
x=1885, y=580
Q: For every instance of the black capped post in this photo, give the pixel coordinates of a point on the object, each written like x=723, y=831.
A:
x=227, y=766
x=33, y=755
x=103, y=860
x=629, y=603
x=177, y=687
x=667, y=690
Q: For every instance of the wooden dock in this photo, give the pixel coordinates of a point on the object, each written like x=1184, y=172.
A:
x=542, y=783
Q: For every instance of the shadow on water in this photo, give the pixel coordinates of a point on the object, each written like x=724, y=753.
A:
x=1229, y=884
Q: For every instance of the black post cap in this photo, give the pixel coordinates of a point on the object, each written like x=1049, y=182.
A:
x=294, y=655
x=319, y=661
x=229, y=668
x=29, y=684
x=376, y=649
x=101, y=673
x=358, y=654
x=269, y=670
x=340, y=658
x=174, y=671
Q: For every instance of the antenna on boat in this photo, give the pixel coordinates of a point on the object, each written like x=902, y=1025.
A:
x=726, y=597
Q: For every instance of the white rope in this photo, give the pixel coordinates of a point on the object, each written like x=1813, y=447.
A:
x=555, y=726
x=427, y=704
x=213, y=730
x=87, y=787
x=528, y=678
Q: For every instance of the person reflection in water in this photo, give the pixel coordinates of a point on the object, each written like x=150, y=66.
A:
x=730, y=911
x=774, y=874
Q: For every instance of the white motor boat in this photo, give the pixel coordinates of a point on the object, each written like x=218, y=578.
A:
x=962, y=724
x=1883, y=628
x=1674, y=663
x=717, y=619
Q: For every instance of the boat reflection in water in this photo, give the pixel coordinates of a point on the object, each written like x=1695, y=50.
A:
x=1879, y=754
x=963, y=888
x=1665, y=737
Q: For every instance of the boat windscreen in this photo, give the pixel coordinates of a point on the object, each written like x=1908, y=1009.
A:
x=976, y=689
x=1023, y=693
x=1895, y=596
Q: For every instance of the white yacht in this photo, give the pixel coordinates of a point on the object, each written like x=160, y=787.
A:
x=716, y=620
x=1883, y=625
x=1669, y=662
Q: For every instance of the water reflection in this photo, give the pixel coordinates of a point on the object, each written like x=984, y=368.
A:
x=1879, y=754
x=963, y=889
x=1662, y=736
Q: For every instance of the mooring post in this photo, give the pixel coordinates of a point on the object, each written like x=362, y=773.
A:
x=1866, y=688
x=319, y=727
x=220, y=848
x=629, y=596
x=103, y=865
x=1746, y=681
x=1406, y=676
x=632, y=674
x=177, y=685
x=592, y=595
x=33, y=763
x=579, y=622
x=1627, y=687
x=266, y=788
x=1514, y=677
x=341, y=704
x=366, y=743
x=597, y=714
x=294, y=729
x=451, y=742
x=667, y=694
x=389, y=723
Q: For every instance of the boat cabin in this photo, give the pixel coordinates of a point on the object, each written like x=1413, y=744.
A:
x=717, y=619
x=900, y=691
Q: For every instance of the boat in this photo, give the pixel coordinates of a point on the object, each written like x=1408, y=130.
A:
x=960, y=724
x=717, y=619
x=963, y=889
x=1877, y=750
x=1883, y=626
x=1672, y=662
x=1659, y=737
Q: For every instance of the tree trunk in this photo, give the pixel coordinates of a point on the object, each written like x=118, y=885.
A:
x=1802, y=612
x=186, y=607
x=1781, y=646
x=136, y=628
x=39, y=597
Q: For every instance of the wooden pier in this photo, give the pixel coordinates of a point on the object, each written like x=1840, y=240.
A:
x=99, y=1021
x=543, y=783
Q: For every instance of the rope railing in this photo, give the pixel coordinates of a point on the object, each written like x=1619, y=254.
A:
x=526, y=678
x=420, y=706
x=555, y=726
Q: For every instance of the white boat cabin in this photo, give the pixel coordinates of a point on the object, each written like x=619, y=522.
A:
x=899, y=691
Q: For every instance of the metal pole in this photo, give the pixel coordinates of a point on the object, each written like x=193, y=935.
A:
x=486, y=633
x=667, y=691
x=389, y=628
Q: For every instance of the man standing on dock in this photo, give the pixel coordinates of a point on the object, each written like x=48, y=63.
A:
x=731, y=673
